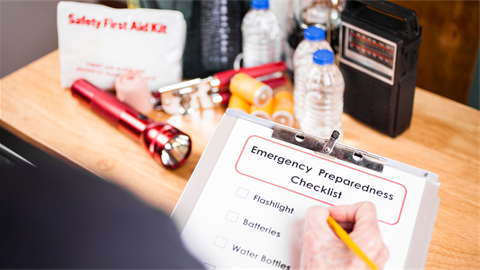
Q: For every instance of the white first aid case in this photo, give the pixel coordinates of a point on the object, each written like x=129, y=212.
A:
x=256, y=179
x=98, y=43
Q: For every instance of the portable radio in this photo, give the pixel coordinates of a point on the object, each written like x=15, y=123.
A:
x=378, y=58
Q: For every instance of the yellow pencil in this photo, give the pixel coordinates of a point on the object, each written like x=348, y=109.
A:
x=342, y=234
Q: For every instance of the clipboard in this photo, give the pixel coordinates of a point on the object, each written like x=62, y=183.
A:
x=256, y=179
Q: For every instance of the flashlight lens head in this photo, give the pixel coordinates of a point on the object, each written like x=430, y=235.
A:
x=166, y=144
x=176, y=150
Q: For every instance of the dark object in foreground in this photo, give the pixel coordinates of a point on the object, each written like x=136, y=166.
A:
x=55, y=216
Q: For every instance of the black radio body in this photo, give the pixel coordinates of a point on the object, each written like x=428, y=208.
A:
x=378, y=58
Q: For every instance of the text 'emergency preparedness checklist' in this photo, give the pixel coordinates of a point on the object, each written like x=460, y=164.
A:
x=250, y=211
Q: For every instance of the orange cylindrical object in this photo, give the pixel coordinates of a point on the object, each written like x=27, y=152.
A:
x=253, y=91
x=283, y=109
x=265, y=112
x=238, y=103
x=283, y=102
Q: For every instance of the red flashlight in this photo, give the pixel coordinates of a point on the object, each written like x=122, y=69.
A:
x=164, y=142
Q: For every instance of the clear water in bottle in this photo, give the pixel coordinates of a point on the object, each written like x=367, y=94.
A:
x=302, y=60
x=261, y=33
x=324, y=96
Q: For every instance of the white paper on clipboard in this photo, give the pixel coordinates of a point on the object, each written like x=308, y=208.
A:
x=249, y=190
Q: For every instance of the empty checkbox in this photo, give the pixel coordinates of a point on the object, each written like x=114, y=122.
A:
x=243, y=193
x=232, y=216
x=208, y=266
x=220, y=242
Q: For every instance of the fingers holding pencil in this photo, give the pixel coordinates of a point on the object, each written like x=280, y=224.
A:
x=361, y=219
x=322, y=248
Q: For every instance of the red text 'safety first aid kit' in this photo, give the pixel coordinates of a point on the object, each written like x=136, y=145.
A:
x=99, y=43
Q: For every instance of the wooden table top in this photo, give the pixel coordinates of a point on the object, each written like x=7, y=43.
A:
x=444, y=138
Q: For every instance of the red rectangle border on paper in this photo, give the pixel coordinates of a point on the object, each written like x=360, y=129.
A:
x=317, y=156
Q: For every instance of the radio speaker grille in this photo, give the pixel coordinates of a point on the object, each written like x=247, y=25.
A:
x=369, y=100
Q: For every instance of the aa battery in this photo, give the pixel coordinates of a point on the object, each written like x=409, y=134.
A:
x=264, y=112
x=253, y=91
x=239, y=104
x=283, y=108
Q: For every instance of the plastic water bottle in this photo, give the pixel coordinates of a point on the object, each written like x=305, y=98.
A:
x=302, y=60
x=261, y=33
x=324, y=96
x=318, y=13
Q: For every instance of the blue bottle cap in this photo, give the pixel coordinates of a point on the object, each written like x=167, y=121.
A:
x=259, y=4
x=314, y=33
x=323, y=57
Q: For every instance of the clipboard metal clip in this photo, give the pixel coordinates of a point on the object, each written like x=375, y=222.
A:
x=329, y=147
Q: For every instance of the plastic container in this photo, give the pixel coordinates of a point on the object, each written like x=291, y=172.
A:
x=318, y=14
x=261, y=33
x=302, y=60
x=324, y=97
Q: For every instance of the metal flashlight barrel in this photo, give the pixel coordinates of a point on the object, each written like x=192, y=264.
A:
x=165, y=143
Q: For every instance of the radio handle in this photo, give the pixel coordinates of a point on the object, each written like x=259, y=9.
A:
x=411, y=22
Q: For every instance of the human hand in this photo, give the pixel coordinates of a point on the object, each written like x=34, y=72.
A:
x=322, y=249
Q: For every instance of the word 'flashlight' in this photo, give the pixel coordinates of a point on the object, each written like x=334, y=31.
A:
x=165, y=143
